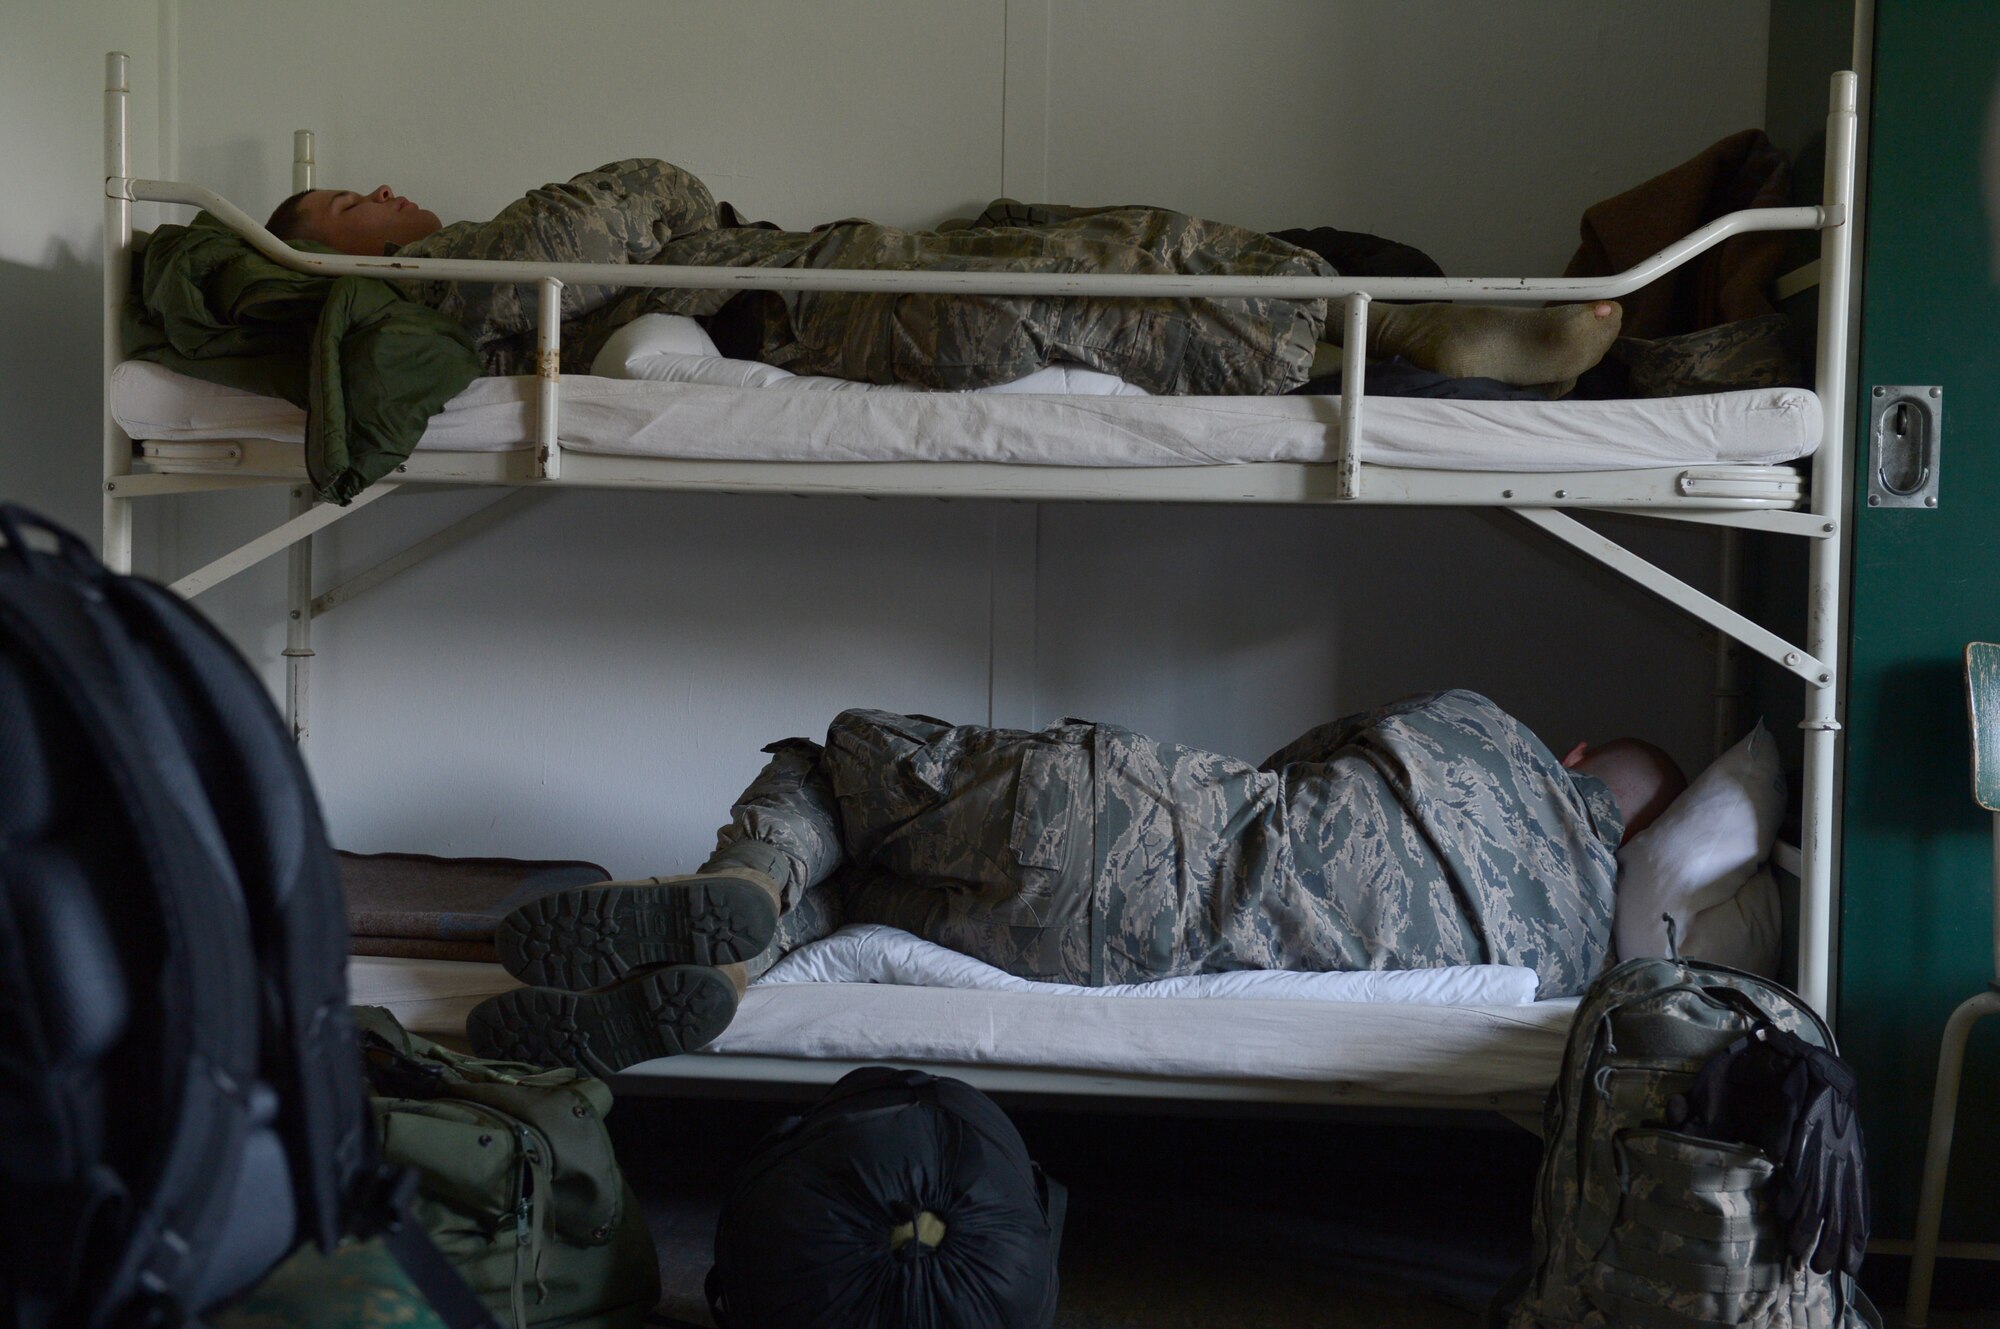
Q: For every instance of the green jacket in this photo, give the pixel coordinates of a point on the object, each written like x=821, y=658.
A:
x=369, y=367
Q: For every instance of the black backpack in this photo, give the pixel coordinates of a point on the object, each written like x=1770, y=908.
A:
x=901, y=1200
x=181, y=1098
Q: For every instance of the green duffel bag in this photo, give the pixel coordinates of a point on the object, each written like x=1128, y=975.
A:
x=519, y=1186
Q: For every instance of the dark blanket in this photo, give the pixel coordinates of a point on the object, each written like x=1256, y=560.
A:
x=1397, y=377
x=1731, y=281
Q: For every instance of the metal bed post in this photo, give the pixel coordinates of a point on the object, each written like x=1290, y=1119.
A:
x=298, y=622
x=1353, y=378
x=548, y=379
x=116, y=546
x=299, y=558
x=1829, y=499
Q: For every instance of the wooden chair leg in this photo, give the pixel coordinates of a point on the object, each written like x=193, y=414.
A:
x=1937, y=1155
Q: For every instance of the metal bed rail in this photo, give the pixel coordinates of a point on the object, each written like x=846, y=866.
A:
x=1816, y=662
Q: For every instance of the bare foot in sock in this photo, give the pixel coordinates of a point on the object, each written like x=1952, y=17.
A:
x=1522, y=346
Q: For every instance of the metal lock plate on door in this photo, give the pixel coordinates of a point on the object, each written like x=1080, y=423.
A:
x=1904, y=436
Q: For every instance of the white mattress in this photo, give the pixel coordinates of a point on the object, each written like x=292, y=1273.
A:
x=1456, y=1052
x=876, y=953
x=1462, y=1052
x=700, y=421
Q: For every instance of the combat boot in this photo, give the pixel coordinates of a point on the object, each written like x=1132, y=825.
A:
x=592, y=936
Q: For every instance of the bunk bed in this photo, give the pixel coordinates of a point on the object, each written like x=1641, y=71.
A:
x=1768, y=461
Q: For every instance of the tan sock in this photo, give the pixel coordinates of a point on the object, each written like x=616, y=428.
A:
x=1522, y=346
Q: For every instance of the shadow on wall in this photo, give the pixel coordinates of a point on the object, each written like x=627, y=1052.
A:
x=50, y=384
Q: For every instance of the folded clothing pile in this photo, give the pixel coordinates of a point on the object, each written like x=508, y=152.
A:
x=417, y=906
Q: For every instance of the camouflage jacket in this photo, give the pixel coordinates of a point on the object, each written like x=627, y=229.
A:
x=645, y=211
x=1437, y=831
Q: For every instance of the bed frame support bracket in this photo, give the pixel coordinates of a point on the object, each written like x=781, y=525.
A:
x=1679, y=594
x=1809, y=525
x=315, y=518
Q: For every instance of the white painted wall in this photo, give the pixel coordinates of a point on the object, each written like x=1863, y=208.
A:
x=594, y=678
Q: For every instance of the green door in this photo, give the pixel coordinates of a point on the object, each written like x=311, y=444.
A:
x=1916, y=894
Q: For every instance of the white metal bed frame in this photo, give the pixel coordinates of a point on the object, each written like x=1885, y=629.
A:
x=1757, y=498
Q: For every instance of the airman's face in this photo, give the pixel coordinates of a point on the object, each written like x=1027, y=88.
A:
x=368, y=224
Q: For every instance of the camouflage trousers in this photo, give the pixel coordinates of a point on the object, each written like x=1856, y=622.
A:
x=1086, y=853
x=646, y=211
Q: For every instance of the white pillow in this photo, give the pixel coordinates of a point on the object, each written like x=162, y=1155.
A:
x=1700, y=852
x=1746, y=931
x=626, y=353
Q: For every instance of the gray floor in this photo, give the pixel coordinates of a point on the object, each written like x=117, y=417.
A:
x=1179, y=1223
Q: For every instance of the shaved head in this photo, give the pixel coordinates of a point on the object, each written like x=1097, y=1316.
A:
x=368, y=225
x=1642, y=777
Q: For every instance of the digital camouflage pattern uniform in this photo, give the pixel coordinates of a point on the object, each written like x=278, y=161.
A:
x=1436, y=831
x=645, y=211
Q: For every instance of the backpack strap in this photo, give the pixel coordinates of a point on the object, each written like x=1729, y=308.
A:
x=291, y=889
x=439, y=1282
x=383, y=1209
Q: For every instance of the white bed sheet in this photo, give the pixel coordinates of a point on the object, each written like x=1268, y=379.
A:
x=1420, y=1050
x=698, y=421
x=875, y=953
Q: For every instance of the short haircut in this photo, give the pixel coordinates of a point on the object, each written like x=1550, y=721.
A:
x=1643, y=778
x=288, y=219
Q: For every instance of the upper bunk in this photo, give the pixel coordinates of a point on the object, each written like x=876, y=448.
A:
x=1735, y=458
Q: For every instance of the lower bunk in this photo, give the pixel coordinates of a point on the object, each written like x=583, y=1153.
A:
x=1395, y=909
x=789, y=1040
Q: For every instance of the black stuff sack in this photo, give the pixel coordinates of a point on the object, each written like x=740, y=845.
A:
x=900, y=1200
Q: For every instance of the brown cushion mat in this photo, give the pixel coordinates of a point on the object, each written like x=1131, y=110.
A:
x=424, y=948
x=454, y=901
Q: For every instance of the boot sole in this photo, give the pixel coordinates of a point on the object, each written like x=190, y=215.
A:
x=662, y=1013
x=592, y=936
